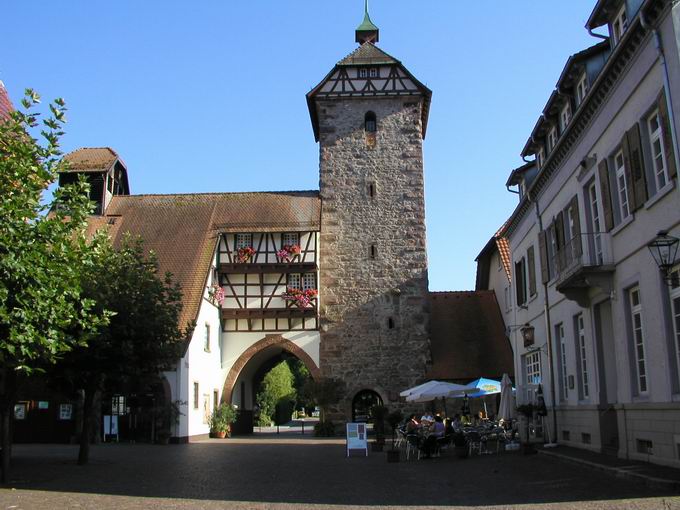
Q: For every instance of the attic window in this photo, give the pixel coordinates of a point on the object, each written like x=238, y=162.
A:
x=370, y=122
x=363, y=73
x=619, y=25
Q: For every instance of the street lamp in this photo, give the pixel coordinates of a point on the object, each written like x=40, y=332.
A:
x=664, y=250
x=527, y=332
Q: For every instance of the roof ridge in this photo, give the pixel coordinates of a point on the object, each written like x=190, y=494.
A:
x=217, y=193
x=367, y=46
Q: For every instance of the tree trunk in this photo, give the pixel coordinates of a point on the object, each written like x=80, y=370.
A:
x=84, y=451
x=8, y=383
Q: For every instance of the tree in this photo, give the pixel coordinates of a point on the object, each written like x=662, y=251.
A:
x=325, y=392
x=276, y=390
x=300, y=377
x=142, y=338
x=42, y=254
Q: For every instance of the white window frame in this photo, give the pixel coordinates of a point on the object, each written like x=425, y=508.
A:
x=290, y=239
x=552, y=138
x=675, y=312
x=308, y=281
x=363, y=73
x=540, y=158
x=619, y=25
x=532, y=367
x=581, y=89
x=595, y=222
x=562, y=343
x=638, y=337
x=565, y=116
x=621, y=185
x=294, y=281
x=373, y=72
x=583, y=355
x=658, y=150
x=243, y=241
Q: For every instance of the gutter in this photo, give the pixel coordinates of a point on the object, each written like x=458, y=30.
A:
x=658, y=43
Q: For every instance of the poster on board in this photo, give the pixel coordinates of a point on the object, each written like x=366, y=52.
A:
x=356, y=438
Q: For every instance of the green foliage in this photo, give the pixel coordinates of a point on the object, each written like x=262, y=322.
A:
x=166, y=415
x=325, y=392
x=300, y=376
x=276, y=389
x=324, y=429
x=42, y=256
x=222, y=416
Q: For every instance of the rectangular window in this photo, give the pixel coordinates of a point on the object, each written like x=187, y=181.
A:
x=638, y=338
x=552, y=139
x=675, y=310
x=206, y=338
x=373, y=72
x=294, y=281
x=658, y=150
x=521, y=282
x=244, y=241
x=581, y=89
x=645, y=446
x=619, y=25
x=532, y=366
x=363, y=73
x=582, y=356
x=308, y=281
x=216, y=399
x=196, y=396
x=540, y=158
x=595, y=223
x=621, y=185
x=290, y=239
x=561, y=344
x=565, y=117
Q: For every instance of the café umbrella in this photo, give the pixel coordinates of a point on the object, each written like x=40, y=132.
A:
x=419, y=388
x=440, y=390
x=506, y=409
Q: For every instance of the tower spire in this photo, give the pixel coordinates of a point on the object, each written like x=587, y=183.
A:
x=367, y=31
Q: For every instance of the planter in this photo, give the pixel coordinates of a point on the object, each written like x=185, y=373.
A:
x=218, y=435
x=392, y=455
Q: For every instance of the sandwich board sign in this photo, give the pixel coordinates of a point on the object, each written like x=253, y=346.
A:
x=356, y=438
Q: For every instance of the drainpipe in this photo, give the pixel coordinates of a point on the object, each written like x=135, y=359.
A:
x=666, y=84
x=548, y=329
x=598, y=36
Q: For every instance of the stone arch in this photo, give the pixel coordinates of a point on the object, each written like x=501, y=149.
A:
x=259, y=346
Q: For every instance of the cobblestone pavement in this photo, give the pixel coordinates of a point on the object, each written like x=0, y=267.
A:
x=282, y=473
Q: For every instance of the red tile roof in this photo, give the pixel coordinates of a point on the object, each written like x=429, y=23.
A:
x=467, y=337
x=91, y=159
x=5, y=104
x=183, y=229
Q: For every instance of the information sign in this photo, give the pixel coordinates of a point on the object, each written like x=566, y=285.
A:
x=65, y=411
x=356, y=438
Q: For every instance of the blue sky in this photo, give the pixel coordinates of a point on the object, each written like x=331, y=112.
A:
x=209, y=95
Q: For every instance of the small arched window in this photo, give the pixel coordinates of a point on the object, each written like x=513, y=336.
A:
x=370, y=122
x=373, y=251
x=390, y=323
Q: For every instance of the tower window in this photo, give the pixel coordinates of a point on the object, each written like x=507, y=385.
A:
x=373, y=251
x=371, y=190
x=370, y=122
x=390, y=323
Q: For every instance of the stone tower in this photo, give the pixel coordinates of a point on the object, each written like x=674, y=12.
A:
x=370, y=116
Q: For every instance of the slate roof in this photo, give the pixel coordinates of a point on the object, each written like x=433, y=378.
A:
x=467, y=337
x=91, y=159
x=368, y=54
x=5, y=104
x=183, y=229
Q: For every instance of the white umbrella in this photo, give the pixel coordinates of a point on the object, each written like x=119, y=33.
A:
x=441, y=389
x=506, y=410
x=420, y=387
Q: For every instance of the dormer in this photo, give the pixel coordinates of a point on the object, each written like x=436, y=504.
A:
x=104, y=170
x=522, y=177
x=616, y=14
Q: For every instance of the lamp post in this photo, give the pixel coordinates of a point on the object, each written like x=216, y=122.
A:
x=664, y=250
x=527, y=332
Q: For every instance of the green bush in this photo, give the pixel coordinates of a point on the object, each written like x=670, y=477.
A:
x=276, y=387
x=324, y=429
x=221, y=417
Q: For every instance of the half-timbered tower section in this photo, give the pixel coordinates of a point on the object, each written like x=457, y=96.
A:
x=369, y=115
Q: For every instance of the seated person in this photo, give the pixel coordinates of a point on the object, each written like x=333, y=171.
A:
x=448, y=427
x=412, y=425
x=435, y=433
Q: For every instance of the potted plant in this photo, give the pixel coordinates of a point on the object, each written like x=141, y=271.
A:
x=244, y=254
x=166, y=416
x=288, y=252
x=378, y=414
x=300, y=298
x=394, y=419
x=221, y=419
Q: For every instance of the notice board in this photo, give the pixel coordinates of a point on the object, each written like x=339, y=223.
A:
x=356, y=438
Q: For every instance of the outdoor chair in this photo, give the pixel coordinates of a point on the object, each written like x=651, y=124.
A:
x=412, y=445
x=474, y=442
x=401, y=438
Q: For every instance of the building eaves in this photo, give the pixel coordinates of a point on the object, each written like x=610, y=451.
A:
x=599, y=92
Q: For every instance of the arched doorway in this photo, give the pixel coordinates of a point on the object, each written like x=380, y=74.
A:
x=362, y=404
x=244, y=377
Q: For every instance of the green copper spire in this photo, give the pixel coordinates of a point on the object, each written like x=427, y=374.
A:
x=367, y=31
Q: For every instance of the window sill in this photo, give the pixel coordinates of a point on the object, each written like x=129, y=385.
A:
x=618, y=228
x=670, y=186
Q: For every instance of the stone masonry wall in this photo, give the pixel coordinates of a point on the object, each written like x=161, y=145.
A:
x=361, y=296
